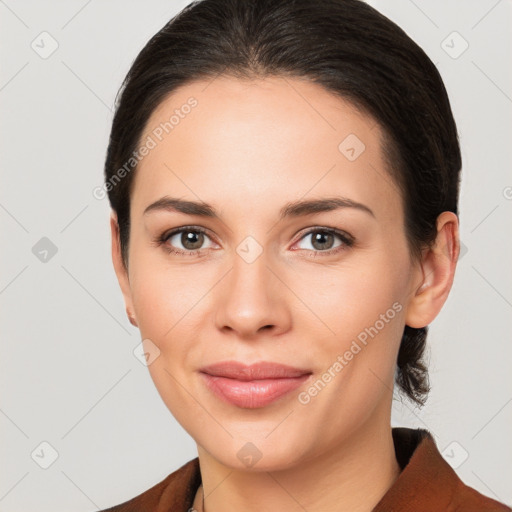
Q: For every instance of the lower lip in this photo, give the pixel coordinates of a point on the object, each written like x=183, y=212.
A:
x=252, y=394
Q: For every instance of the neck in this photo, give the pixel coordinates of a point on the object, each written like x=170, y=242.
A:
x=351, y=477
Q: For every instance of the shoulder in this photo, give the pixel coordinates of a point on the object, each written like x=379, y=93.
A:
x=467, y=499
x=175, y=492
x=427, y=482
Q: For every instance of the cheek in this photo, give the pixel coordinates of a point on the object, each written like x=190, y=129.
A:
x=351, y=298
x=167, y=304
x=363, y=307
x=166, y=297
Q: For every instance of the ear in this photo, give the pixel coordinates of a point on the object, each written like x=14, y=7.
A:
x=121, y=270
x=437, y=272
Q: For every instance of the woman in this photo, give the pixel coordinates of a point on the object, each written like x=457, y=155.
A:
x=284, y=181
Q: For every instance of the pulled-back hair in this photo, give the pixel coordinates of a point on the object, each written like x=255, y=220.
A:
x=351, y=50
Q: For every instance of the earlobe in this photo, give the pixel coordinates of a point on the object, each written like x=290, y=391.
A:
x=120, y=269
x=438, y=270
x=131, y=317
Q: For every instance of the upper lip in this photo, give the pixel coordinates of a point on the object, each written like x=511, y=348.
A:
x=256, y=371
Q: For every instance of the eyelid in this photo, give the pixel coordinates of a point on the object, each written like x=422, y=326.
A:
x=325, y=229
x=171, y=232
x=347, y=239
x=168, y=234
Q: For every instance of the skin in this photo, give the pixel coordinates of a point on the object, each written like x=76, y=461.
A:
x=249, y=148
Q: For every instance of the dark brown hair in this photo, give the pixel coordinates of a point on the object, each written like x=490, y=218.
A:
x=351, y=50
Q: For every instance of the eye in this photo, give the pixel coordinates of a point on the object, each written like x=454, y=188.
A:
x=190, y=238
x=323, y=240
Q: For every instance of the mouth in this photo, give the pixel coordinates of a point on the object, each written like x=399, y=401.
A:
x=253, y=386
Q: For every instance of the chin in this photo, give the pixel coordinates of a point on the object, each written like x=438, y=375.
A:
x=256, y=456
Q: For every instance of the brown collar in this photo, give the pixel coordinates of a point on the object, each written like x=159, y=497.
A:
x=427, y=483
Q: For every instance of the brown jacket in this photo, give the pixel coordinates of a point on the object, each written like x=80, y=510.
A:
x=427, y=483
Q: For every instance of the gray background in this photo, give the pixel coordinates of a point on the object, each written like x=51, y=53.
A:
x=68, y=373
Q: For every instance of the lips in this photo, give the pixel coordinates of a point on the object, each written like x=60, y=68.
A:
x=256, y=371
x=252, y=386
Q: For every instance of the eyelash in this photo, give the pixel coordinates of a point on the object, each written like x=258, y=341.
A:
x=161, y=240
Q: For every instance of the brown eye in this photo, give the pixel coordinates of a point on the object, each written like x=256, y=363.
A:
x=192, y=240
x=321, y=240
x=324, y=240
x=185, y=240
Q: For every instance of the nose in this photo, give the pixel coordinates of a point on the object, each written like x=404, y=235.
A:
x=252, y=300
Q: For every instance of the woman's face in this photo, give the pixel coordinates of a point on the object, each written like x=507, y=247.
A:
x=266, y=286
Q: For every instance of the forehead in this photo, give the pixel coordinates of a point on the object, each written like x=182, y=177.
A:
x=274, y=138
x=230, y=107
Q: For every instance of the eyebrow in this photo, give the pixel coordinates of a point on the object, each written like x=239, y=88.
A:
x=294, y=209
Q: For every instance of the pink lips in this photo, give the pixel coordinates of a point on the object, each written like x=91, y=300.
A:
x=252, y=386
